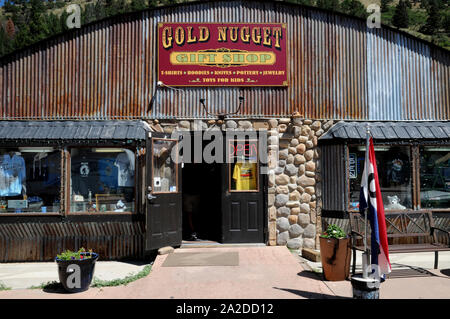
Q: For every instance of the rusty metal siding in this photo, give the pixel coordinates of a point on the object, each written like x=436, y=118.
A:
x=43, y=241
x=407, y=79
x=337, y=69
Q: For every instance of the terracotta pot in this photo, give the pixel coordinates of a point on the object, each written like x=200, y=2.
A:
x=335, y=255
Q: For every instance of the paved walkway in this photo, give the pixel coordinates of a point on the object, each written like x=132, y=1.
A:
x=263, y=273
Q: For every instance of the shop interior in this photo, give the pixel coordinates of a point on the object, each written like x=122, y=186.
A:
x=202, y=192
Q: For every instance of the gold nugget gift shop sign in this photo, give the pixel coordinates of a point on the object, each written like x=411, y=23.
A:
x=213, y=54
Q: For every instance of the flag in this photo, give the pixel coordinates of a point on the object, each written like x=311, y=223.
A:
x=370, y=198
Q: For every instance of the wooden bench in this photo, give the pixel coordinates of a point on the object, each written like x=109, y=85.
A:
x=407, y=232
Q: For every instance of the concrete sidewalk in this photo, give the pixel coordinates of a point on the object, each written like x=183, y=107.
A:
x=262, y=273
x=421, y=281
x=34, y=274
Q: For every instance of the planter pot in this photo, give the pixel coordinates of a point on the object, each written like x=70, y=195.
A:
x=335, y=255
x=76, y=275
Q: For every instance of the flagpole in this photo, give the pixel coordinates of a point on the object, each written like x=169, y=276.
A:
x=365, y=255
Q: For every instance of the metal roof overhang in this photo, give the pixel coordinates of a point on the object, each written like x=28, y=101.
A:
x=388, y=131
x=73, y=130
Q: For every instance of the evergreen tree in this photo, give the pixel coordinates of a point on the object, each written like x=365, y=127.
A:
x=446, y=23
x=137, y=5
x=385, y=5
x=433, y=23
x=305, y=2
x=152, y=3
x=328, y=4
x=54, y=25
x=100, y=9
x=38, y=24
x=354, y=8
x=63, y=20
x=88, y=13
x=401, y=18
x=6, y=44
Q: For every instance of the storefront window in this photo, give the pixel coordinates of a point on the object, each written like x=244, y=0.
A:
x=164, y=168
x=243, y=158
x=394, y=173
x=435, y=177
x=30, y=180
x=102, y=180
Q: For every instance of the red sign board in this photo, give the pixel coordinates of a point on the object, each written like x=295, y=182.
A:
x=217, y=54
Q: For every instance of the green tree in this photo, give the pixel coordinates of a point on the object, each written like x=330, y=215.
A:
x=53, y=23
x=328, y=4
x=446, y=23
x=305, y=2
x=137, y=5
x=38, y=24
x=6, y=44
x=152, y=3
x=88, y=13
x=401, y=18
x=433, y=23
x=385, y=5
x=354, y=8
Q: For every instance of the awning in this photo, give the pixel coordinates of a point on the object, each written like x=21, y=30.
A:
x=73, y=130
x=389, y=131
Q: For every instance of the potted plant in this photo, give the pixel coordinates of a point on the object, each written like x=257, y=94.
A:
x=335, y=253
x=76, y=269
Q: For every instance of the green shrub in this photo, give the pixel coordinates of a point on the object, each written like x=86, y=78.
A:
x=334, y=231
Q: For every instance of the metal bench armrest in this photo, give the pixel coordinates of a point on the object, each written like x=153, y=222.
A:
x=440, y=229
x=355, y=233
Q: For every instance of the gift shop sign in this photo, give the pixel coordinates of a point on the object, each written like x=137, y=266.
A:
x=217, y=54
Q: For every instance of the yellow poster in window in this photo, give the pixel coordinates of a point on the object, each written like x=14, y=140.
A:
x=245, y=176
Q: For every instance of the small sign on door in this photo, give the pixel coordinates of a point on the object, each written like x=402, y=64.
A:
x=352, y=166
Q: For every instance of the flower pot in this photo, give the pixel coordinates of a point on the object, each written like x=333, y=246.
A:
x=76, y=275
x=335, y=255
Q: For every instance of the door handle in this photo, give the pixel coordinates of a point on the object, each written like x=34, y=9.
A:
x=150, y=196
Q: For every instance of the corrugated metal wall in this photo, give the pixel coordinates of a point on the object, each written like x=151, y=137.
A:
x=338, y=69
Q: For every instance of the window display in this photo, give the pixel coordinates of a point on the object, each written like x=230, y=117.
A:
x=394, y=169
x=435, y=177
x=102, y=180
x=30, y=180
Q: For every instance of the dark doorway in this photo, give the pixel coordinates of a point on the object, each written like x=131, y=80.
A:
x=202, y=201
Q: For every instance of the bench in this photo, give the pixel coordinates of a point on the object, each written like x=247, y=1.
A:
x=407, y=232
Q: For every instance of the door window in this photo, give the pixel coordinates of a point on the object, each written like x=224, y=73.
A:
x=243, y=165
x=165, y=168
